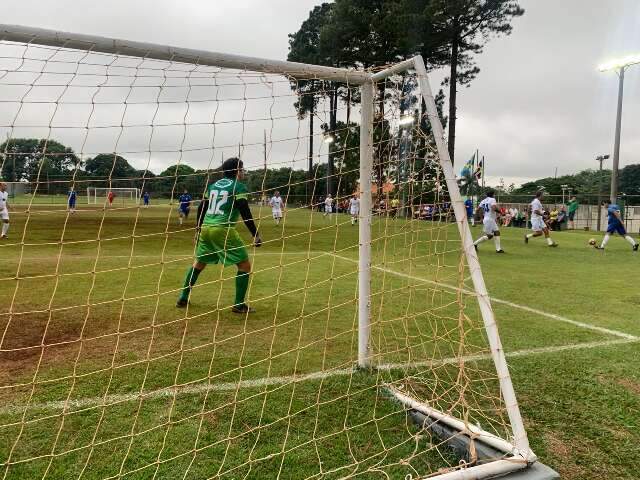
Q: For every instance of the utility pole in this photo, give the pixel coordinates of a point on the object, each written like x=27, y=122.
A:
x=616, y=143
x=619, y=66
x=600, y=158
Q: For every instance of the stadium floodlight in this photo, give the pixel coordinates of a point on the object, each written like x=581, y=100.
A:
x=407, y=120
x=340, y=330
x=619, y=65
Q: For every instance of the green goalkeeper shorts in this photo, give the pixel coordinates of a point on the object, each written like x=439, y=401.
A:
x=220, y=245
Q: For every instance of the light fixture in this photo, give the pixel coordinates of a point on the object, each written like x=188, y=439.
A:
x=329, y=139
x=619, y=63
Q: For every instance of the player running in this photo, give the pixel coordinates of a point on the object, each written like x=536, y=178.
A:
x=4, y=210
x=328, y=205
x=218, y=239
x=490, y=229
x=615, y=226
x=277, y=204
x=468, y=205
x=354, y=209
x=184, y=206
x=72, y=197
x=537, y=221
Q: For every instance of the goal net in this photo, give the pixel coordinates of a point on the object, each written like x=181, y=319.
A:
x=372, y=352
x=100, y=195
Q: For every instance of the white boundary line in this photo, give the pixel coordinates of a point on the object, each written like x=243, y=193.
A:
x=199, y=388
x=542, y=313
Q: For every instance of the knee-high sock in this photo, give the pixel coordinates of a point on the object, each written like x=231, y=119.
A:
x=605, y=240
x=549, y=240
x=242, y=284
x=189, y=281
x=483, y=238
x=496, y=239
x=5, y=228
x=630, y=239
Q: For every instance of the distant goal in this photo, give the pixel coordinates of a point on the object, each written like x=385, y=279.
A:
x=100, y=195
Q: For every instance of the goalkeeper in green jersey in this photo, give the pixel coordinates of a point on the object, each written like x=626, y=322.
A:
x=218, y=240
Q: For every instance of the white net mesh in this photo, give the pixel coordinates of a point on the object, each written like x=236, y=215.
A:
x=102, y=377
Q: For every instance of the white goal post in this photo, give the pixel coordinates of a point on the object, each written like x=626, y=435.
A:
x=96, y=195
x=407, y=375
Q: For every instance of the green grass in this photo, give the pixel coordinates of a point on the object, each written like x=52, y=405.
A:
x=87, y=311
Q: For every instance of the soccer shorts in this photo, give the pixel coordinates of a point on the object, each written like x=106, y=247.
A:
x=277, y=213
x=537, y=224
x=616, y=228
x=220, y=245
x=183, y=211
x=328, y=209
x=572, y=216
x=4, y=214
x=489, y=226
x=355, y=212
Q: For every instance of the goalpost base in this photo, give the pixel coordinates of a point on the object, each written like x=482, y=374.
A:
x=461, y=444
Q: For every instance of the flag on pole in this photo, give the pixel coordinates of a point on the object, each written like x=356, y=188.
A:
x=479, y=170
x=468, y=167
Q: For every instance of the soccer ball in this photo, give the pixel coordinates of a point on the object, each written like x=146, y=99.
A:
x=592, y=241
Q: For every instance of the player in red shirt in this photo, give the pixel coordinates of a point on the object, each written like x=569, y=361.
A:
x=110, y=197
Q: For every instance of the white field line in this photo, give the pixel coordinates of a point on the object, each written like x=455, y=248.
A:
x=200, y=388
x=542, y=313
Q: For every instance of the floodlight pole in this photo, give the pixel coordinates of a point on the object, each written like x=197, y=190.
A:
x=600, y=158
x=616, y=144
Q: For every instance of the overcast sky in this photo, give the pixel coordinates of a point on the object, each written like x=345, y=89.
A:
x=538, y=103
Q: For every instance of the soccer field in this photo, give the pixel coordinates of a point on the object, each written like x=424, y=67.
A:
x=100, y=374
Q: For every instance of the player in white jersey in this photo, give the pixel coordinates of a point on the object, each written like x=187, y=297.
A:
x=354, y=209
x=277, y=204
x=4, y=210
x=328, y=205
x=490, y=229
x=538, y=225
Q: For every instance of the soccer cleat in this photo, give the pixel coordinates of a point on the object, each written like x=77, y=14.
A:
x=553, y=245
x=635, y=247
x=500, y=251
x=182, y=302
x=526, y=239
x=597, y=247
x=476, y=247
x=242, y=308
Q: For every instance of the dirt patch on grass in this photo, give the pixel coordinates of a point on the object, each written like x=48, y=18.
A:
x=630, y=385
x=560, y=450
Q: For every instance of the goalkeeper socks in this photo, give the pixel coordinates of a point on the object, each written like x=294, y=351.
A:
x=605, y=240
x=630, y=239
x=496, y=239
x=189, y=281
x=242, y=284
x=5, y=229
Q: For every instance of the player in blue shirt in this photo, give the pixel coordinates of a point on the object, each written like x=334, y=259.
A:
x=615, y=225
x=468, y=204
x=145, y=199
x=72, y=196
x=184, y=206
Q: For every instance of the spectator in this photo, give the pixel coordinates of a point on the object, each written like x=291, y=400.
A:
x=553, y=219
x=573, y=208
